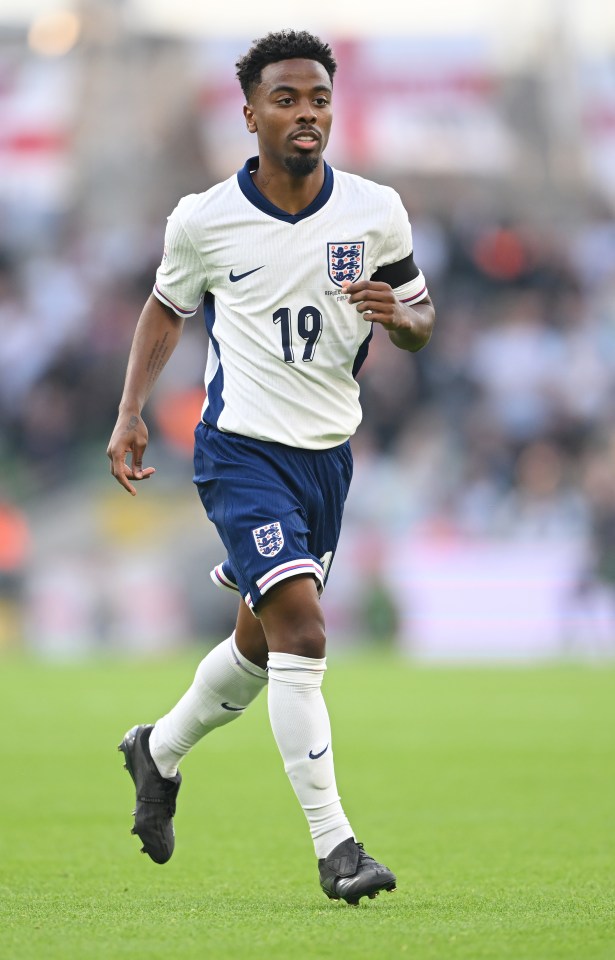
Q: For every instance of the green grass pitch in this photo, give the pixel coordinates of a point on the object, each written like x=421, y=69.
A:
x=489, y=791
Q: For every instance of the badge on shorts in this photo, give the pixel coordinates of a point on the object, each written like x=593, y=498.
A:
x=269, y=539
x=345, y=261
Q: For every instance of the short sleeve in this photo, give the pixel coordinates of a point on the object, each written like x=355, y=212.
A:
x=180, y=279
x=396, y=257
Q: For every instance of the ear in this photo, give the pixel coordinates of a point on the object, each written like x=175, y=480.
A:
x=250, y=120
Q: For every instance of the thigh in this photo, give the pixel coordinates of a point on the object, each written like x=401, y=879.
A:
x=252, y=492
x=292, y=618
x=290, y=621
x=250, y=636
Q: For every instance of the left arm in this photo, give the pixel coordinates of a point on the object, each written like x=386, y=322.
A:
x=409, y=327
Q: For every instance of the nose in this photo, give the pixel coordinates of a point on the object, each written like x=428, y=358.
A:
x=305, y=111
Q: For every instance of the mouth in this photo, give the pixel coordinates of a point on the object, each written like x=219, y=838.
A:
x=306, y=139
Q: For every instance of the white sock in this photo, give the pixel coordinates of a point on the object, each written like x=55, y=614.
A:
x=301, y=727
x=225, y=683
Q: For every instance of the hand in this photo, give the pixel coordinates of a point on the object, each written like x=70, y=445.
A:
x=129, y=437
x=378, y=303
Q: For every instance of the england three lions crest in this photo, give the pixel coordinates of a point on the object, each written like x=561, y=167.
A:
x=269, y=539
x=345, y=261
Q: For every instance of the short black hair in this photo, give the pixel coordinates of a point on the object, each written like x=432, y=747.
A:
x=283, y=45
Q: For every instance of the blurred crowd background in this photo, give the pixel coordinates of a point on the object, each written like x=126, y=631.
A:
x=481, y=523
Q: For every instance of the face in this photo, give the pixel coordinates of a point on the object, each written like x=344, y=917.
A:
x=290, y=112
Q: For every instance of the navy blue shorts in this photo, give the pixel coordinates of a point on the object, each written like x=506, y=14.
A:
x=278, y=509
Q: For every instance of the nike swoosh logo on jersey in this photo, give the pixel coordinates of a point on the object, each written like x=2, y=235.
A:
x=234, y=277
x=315, y=756
x=227, y=706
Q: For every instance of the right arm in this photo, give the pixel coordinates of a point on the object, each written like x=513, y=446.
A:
x=157, y=334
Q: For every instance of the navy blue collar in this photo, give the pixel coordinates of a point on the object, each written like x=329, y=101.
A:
x=253, y=194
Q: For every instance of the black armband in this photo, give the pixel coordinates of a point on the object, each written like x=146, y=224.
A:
x=397, y=274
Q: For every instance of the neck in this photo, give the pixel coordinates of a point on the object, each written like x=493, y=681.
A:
x=287, y=191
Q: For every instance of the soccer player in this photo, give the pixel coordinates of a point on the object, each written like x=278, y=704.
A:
x=295, y=262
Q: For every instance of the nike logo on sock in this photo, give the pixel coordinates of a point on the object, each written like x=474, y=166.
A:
x=315, y=756
x=227, y=706
x=234, y=277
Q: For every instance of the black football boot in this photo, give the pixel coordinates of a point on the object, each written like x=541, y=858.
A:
x=349, y=873
x=156, y=795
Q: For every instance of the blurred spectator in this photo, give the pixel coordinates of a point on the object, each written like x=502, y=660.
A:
x=544, y=504
x=517, y=363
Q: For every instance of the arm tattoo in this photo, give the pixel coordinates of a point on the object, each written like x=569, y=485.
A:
x=157, y=358
x=132, y=423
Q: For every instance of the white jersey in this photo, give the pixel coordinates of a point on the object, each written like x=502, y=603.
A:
x=285, y=345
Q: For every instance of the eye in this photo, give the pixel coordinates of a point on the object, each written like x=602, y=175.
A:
x=285, y=101
x=321, y=101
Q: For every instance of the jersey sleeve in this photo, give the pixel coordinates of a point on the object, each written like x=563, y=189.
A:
x=180, y=279
x=396, y=264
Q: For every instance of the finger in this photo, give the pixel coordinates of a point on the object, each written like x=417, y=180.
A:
x=382, y=319
x=368, y=293
x=121, y=474
x=363, y=305
x=373, y=308
x=349, y=288
x=136, y=475
x=372, y=285
x=369, y=300
x=144, y=474
x=138, y=450
x=124, y=473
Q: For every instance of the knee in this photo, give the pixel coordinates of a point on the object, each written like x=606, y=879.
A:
x=308, y=640
x=303, y=636
x=293, y=621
